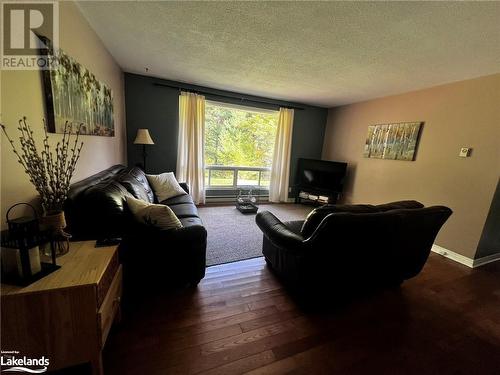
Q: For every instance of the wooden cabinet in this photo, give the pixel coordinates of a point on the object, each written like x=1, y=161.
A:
x=67, y=315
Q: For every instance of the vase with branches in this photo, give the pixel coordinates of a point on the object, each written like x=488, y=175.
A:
x=49, y=169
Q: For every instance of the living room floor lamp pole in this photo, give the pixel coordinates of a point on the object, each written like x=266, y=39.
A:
x=143, y=138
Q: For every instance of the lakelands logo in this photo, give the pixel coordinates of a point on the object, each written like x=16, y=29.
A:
x=11, y=361
x=29, y=31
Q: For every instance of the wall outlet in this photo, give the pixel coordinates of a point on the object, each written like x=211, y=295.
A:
x=465, y=152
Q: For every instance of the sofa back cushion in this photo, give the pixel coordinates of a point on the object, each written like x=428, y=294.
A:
x=317, y=215
x=103, y=211
x=393, y=243
x=75, y=204
x=137, y=184
x=358, y=244
x=399, y=205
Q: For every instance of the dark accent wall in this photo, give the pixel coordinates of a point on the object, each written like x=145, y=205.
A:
x=157, y=108
x=489, y=243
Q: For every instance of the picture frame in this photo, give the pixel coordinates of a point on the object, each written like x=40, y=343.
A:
x=394, y=141
x=73, y=94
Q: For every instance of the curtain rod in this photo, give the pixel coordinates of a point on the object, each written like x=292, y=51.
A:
x=234, y=96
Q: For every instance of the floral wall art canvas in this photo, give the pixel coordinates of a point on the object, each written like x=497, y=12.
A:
x=396, y=141
x=74, y=94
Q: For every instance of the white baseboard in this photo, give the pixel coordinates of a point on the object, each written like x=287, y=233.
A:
x=231, y=200
x=453, y=256
x=487, y=259
x=472, y=263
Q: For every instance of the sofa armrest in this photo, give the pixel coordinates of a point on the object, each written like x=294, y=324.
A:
x=189, y=236
x=184, y=186
x=278, y=233
x=182, y=251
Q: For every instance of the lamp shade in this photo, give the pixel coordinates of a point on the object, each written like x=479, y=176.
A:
x=143, y=137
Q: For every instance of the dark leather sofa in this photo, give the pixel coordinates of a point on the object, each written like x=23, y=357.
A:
x=351, y=247
x=96, y=209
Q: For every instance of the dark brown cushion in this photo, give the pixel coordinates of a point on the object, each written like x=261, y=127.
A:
x=190, y=221
x=102, y=209
x=178, y=200
x=184, y=210
x=137, y=184
x=399, y=205
x=318, y=214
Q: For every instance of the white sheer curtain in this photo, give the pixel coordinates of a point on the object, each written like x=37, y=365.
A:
x=280, y=170
x=191, y=144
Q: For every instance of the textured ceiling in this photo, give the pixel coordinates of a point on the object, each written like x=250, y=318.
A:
x=323, y=53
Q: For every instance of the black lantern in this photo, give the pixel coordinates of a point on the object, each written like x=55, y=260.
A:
x=21, y=263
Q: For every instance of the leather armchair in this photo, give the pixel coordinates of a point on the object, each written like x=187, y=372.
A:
x=352, y=246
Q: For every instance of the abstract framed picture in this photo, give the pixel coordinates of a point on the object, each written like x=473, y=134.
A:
x=396, y=141
x=73, y=94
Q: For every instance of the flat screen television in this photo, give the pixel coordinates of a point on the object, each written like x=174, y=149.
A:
x=321, y=175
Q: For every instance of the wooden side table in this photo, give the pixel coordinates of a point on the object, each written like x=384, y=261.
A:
x=65, y=316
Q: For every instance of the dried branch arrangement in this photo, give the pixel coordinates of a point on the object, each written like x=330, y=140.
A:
x=49, y=171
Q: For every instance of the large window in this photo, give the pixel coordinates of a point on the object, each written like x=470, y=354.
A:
x=239, y=144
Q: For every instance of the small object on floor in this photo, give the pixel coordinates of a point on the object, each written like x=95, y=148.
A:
x=108, y=242
x=247, y=208
x=247, y=204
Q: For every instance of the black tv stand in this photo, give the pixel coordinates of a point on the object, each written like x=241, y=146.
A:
x=315, y=196
x=319, y=181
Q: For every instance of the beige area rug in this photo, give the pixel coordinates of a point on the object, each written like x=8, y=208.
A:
x=234, y=236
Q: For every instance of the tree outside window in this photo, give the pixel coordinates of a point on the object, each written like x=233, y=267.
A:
x=238, y=137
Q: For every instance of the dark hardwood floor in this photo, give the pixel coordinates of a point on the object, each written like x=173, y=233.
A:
x=241, y=320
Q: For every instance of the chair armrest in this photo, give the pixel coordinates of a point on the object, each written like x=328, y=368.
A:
x=295, y=226
x=278, y=233
x=184, y=186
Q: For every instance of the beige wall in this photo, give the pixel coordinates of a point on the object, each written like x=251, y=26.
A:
x=465, y=113
x=22, y=95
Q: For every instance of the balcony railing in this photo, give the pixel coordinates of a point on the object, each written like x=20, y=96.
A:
x=234, y=177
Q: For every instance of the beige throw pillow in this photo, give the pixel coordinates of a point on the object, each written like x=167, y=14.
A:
x=165, y=185
x=153, y=215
